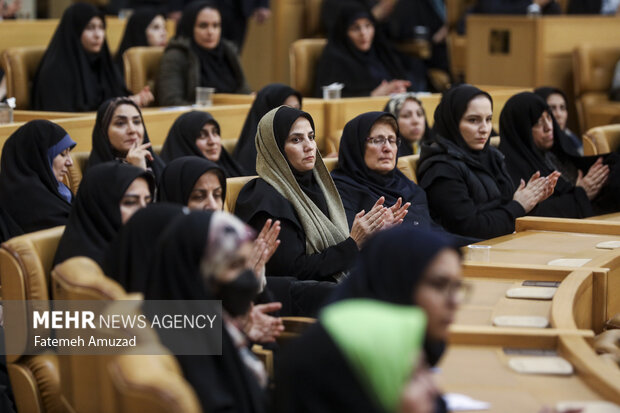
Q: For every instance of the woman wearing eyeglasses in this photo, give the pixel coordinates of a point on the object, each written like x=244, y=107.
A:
x=198, y=134
x=295, y=188
x=367, y=171
x=465, y=178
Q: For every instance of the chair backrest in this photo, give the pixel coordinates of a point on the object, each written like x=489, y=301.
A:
x=330, y=163
x=141, y=67
x=293, y=328
x=229, y=145
x=233, y=187
x=603, y=139
x=20, y=66
x=150, y=383
x=304, y=56
x=407, y=165
x=594, y=68
x=25, y=267
x=80, y=278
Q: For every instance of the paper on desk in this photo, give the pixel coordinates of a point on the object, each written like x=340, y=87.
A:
x=461, y=402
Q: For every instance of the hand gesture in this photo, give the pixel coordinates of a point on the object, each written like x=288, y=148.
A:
x=365, y=224
x=263, y=248
x=139, y=154
x=259, y=326
x=531, y=194
x=397, y=214
x=595, y=178
x=144, y=97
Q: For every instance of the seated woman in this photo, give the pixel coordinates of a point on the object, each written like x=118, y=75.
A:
x=77, y=73
x=466, y=181
x=532, y=141
x=556, y=99
x=358, y=56
x=119, y=135
x=198, y=56
x=295, y=188
x=35, y=159
x=367, y=171
x=412, y=125
x=358, y=347
x=109, y=194
x=206, y=256
x=145, y=27
x=269, y=97
x=198, y=134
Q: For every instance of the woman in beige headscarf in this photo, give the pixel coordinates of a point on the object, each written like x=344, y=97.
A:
x=295, y=188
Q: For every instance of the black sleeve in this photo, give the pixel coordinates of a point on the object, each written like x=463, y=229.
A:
x=290, y=259
x=449, y=200
x=573, y=204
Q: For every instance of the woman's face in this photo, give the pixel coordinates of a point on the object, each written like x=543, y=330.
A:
x=361, y=33
x=542, y=132
x=207, y=193
x=93, y=35
x=475, y=125
x=440, y=292
x=126, y=129
x=300, y=146
x=236, y=265
x=156, y=33
x=411, y=121
x=558, y=107
x=292, y=101
x=61, y=163
x=381, y=157
x=137, y=196
x=208, y=28
x=210, y=142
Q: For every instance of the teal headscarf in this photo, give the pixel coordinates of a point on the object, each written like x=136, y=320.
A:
x=380, y=341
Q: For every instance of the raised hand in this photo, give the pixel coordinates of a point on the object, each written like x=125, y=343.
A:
x=137, y=155
x=594, y=180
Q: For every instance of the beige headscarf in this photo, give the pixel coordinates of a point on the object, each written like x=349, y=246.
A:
x=271, y=165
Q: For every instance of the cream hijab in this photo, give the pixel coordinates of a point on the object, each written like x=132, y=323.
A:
x=271, y=165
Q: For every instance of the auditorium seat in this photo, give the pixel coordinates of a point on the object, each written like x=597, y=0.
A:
x=304, y=55
x=20, y=66
x=141, y=67
x=293, y=328
x=602, y=139
x=407, y=165
x=229, y=145
x=233, y=187
x=312, y=12
x=25, y=266
x=330, y=163
x=80, y=278
x=593, y=72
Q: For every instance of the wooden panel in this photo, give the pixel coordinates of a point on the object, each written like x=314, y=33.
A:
x=27, y=115
x=580, y=301
x=289, y=26
x=517, y=68
x=567, y=225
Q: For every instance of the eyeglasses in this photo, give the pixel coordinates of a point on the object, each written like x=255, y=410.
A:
x=458, y=291
x=382, y=140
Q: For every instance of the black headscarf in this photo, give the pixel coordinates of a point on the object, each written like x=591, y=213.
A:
x=102, y=149
x=96, y=217
x=181, y=141
x=448, y=114
x=135, y=32
x=130, y=255
x=221, y=382
x=216, y=68
x=181, y=175
x=269, y=97
x=361, y=72
x=520, y=113
x=282, y=123
x=29, y=191
x=359, y=185
x=69, y=78
x=391, y=267
x=394, y=106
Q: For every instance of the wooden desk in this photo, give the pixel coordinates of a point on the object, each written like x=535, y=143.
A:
x=614, y=217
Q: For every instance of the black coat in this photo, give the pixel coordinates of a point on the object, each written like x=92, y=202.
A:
x=257, y=202
x=464, y=196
